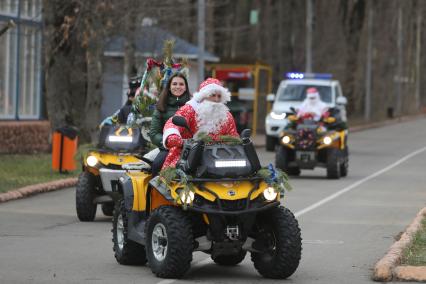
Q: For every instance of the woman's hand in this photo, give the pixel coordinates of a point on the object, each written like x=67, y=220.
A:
x=174, y=141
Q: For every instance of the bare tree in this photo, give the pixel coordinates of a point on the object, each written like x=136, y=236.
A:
x=75, y=34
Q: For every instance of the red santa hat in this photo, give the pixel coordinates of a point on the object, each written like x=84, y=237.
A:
x=312, y=92
x=209, y=87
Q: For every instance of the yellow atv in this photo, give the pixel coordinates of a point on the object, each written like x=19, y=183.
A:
x=216, y=202
x=306, y=143
x=102, y=167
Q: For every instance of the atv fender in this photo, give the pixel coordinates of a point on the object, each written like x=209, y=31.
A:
x=127, y=190
x=161, y=188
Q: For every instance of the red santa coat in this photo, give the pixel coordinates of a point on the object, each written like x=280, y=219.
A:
x=189, y=112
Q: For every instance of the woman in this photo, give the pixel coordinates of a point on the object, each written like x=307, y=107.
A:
x=175, y=95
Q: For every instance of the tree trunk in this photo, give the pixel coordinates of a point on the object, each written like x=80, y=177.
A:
x=64, y=62
x=74, y=44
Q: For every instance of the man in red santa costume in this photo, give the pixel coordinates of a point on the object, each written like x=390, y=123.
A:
x=205, y=113
x=312, y=105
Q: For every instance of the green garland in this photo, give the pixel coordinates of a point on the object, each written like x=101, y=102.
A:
x=169, y=174
x=275, y=178
x=223, y=139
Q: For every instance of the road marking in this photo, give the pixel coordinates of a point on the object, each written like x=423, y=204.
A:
x=352, y=186
x=199, y=264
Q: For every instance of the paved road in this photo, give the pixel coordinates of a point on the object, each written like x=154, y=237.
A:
x=347, y=224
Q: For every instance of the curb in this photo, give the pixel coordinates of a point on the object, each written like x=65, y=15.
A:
x=37, y=188
x=388, y=268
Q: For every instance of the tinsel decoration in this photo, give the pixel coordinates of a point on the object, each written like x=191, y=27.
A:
x=275, y=178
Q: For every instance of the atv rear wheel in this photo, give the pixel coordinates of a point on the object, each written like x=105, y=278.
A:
x=84, y=196
x=108, y=208
x=125, y=251
x=281, y=244
x=169, y=242
x=333, y=163
x=230, y=260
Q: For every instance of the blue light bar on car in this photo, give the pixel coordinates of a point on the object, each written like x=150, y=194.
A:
x=296, y=75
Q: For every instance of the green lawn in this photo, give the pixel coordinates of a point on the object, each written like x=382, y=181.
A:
x=21, y=170
x=416, y=253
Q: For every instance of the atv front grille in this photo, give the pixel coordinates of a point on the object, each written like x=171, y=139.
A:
x=225, y=205
x=305, y=139
x=233, y=205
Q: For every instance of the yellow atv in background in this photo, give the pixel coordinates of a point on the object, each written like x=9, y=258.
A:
x=216, y=202
x=306, y=143
x=102, y=167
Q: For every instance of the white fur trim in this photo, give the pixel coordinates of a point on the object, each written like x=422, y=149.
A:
x=193, y=103
x=169, y=132
x=209, y=90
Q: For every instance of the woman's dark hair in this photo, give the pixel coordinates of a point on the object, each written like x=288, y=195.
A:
x=166, y=93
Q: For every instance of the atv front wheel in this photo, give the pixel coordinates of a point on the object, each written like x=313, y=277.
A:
x=84, y=196
x=281, y=158
x=125, y=251
x=281, y=162
x=169, y=242
x=280, y=242
x=333, y=163
x=345, y=164
x=230, y=260
x=270, y=143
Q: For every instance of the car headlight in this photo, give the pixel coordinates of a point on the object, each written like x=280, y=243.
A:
x=286, y=139
x=270, y=194
x=275, y=115
x=91, y=161
x=186, y=196
x=327, y=140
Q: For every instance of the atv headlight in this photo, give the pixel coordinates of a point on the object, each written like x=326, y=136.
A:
x=187, y=197
x=114, y=138
x=230, y=164
x=91, y=161
x=286, y=139
x=270, y=194
x=327, y=140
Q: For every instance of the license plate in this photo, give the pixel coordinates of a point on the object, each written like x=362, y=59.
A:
x=305, y=156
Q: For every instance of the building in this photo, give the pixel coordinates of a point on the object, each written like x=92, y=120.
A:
x=20, y=60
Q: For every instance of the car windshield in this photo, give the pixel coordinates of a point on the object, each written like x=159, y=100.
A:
x=298, y=92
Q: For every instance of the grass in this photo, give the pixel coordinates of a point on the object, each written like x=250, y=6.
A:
x=20, y=170
x=416, y=252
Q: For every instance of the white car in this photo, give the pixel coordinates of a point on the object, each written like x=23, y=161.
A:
x=291, y=93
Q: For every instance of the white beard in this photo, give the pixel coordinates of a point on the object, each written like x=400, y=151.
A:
x=211, y=116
